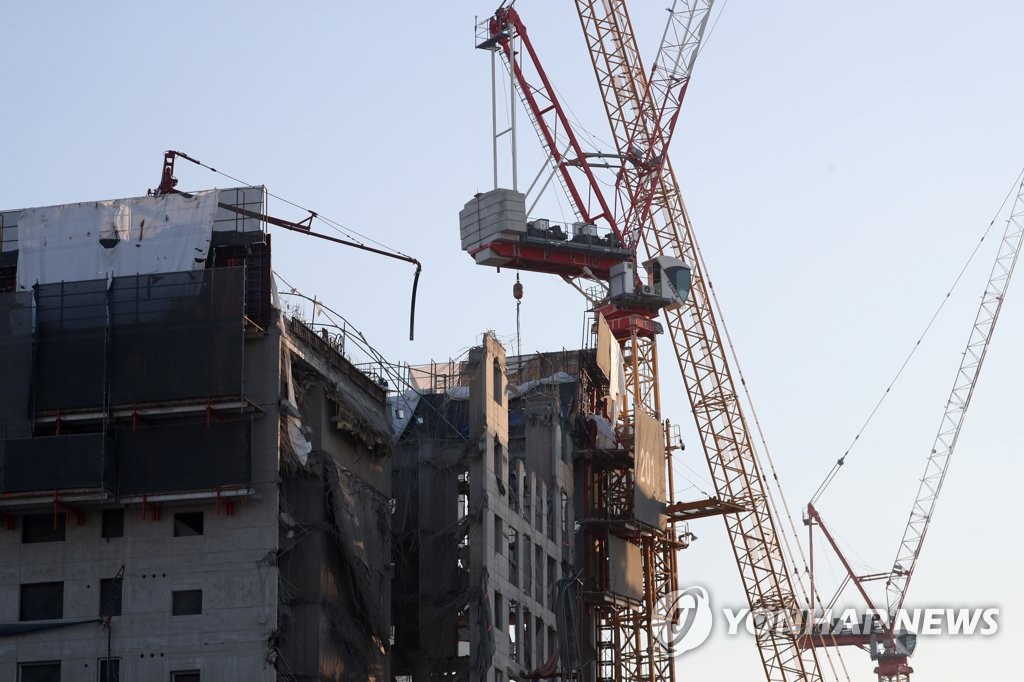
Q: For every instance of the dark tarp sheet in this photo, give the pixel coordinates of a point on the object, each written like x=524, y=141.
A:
x=182, y=457
x=176, y=336
x=15, y=363
x=15, y=629
x=566, y=623
x=56, y=463
x=364, y=538
x=484, y=622
x=71, y=321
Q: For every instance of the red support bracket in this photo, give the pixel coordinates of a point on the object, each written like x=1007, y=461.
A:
x=211, y=413
x=146, y=507
x=59, y=506
x=227, y=505
x=9, y=521
x=167, y=179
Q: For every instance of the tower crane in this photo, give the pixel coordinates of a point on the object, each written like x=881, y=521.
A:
x=888, y=645
x=623, y=633
x=696, y=333
x=648, y=210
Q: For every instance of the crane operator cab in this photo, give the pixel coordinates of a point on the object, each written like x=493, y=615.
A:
x=670, y=278
x=901, y=646
x=669, y=283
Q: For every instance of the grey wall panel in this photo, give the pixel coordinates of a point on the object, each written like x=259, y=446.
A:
x=625, y=568
x=649, y=491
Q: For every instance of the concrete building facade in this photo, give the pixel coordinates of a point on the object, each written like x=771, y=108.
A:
x=196, y=484
x=193, y=485
x=486, y=550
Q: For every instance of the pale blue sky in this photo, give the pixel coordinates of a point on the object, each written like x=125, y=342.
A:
x=839, y=162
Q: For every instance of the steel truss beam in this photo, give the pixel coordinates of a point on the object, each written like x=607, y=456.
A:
x=695, y=335
x=956, y=407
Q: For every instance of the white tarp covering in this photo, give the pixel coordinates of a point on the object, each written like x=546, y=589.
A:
x=609, y=360
x=298, y=432
x=616, y=382
x=402, y=408
x=604, y=345
x=102, y=239
x=605, y=437
x=556, y=378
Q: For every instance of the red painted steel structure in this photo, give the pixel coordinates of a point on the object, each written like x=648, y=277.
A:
x=642, y=110
x=556, y=258
x=543, y=104
x=623, y=633
x=892, y=658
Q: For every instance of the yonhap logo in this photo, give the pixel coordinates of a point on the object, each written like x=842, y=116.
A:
x=687, y=619
x=684, y=621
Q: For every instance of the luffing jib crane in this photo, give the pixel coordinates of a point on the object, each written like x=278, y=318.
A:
x=697, y=339
x=643, y=109
x=889, y=646
x=495, y=232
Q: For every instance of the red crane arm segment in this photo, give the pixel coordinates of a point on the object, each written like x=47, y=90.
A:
x=505, y=25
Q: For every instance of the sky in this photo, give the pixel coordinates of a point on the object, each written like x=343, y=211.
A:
x=839, y=163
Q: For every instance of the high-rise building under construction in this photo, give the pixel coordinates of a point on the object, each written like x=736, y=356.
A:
x=193, y=486
x=198, y=484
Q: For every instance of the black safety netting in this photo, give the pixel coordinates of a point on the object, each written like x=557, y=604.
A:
x=15, y=363
x=176, y=336
x=57, y=463
x=182, y=457
x=70, y=364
